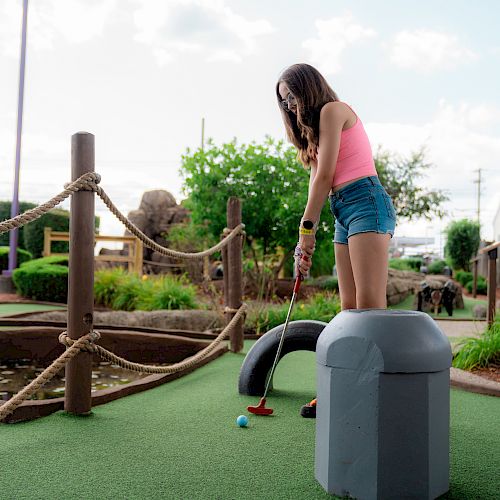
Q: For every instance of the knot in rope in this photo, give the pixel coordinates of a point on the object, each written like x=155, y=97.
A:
x=87, y=182
x=240, y=227
x=88, y=346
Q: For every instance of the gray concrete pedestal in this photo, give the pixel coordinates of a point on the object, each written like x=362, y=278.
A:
x=382, y=422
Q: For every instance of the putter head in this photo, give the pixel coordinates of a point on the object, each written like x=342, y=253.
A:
x=260, y=409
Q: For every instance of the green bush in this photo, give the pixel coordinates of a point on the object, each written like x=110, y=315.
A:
x=462, y=242
x=120, y=290
x=437, y=267
x=479, y=352
x=463, y=277
x=22, y=257
x=328, y=283
x=47, y=282
x=321, y=307
x=482, y=287
x=406, y=264
x=168, y=292
x=59, y=260
x=5, y=207
x=58, y=220
x=106, y=285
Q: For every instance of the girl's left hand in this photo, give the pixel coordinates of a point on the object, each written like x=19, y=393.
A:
x=307, y=243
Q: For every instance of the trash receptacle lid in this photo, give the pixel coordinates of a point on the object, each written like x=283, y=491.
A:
x=391, y=341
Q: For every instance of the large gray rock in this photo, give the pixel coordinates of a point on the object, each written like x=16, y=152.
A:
x=191, y=319
x=401, y=284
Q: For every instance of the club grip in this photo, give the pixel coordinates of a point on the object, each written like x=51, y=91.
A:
x=299, y=278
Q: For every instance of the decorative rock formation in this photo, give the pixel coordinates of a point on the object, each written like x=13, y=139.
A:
x=157, y=213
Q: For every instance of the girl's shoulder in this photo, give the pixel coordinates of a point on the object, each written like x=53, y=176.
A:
x=336, y=110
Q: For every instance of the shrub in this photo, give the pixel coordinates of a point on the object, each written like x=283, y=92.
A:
x=482, y=287
x=168, y=292
x=22, y=257
x=5, y=207
x=462, y=242
x=47, y=282
x=437, y=267
x=59, y=260
x=321, y=307
x=479, y=352
x=58, y=220
x=406, y=264
x=463, y=277
x=106, y=285
x=130, y=292
x=120, y=290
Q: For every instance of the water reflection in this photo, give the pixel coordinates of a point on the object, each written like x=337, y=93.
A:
x=16, y=374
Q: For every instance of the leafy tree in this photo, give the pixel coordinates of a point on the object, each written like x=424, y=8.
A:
x=273, y=188
x=398, y=175
x=462, y=242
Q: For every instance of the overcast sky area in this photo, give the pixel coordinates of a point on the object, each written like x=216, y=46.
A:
x=141, y=74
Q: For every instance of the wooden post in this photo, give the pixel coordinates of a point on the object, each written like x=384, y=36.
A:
x=235, y=278
x=492, y=284
x=475, y=265
x=47, y=243
x=138, y=257
x=81, y=277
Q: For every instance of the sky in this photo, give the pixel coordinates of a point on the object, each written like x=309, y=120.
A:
x=141, y=74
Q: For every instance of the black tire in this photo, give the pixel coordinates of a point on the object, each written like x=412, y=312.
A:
x=300, y=336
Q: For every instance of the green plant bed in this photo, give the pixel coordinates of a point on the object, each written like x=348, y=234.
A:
x=479, y=352
x=465, y=313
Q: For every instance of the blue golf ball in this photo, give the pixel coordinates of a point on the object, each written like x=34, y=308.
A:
x=242, y=420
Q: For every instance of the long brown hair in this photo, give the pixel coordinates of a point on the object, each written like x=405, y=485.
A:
x=311, y=92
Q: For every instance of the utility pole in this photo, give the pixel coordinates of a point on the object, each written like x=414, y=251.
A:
x=202, y=133
x=14, y=210
x=478, y=182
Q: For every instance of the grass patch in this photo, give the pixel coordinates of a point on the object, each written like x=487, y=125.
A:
x=479, y=352
x=465, y=313
x=321, y=307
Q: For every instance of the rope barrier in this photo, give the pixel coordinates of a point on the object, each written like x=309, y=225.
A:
x=87, y=344
x=166, y=251
x=89, y=182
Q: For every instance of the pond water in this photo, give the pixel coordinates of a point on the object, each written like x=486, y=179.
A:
x=14, y=375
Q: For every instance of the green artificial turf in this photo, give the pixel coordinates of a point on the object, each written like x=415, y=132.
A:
x=180, y=441
x=8, y=308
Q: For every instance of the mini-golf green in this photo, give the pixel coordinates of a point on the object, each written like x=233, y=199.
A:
x=181, y=441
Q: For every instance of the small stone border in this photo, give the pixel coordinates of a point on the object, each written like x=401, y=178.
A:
x=473, y=383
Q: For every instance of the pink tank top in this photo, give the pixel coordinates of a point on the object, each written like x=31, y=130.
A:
x=355, y=157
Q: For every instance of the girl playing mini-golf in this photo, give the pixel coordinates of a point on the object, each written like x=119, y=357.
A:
x=331, y=141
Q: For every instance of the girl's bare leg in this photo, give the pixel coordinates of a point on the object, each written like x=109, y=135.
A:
x=347, y=288
x=369, y=259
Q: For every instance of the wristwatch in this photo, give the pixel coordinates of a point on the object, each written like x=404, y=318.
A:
x=307, y=227
x=307, y=224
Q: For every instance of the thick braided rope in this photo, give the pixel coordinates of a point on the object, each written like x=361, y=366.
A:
x=87, y=182
x=187, y=363
x=162, y=250
x=7, y=408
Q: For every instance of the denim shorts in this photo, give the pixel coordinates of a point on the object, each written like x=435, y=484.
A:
x=362, y=207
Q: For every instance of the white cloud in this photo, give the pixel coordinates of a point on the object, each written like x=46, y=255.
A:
x=334, y=36
x=425, y=51
x=457, y=146
x=75, y=21
x=207, y=27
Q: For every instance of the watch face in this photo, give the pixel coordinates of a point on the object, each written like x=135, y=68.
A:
x=307, y=224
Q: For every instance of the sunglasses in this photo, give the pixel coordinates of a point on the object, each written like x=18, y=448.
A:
x=290, y=101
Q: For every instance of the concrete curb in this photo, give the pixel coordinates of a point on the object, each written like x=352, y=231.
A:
x=473, y=383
